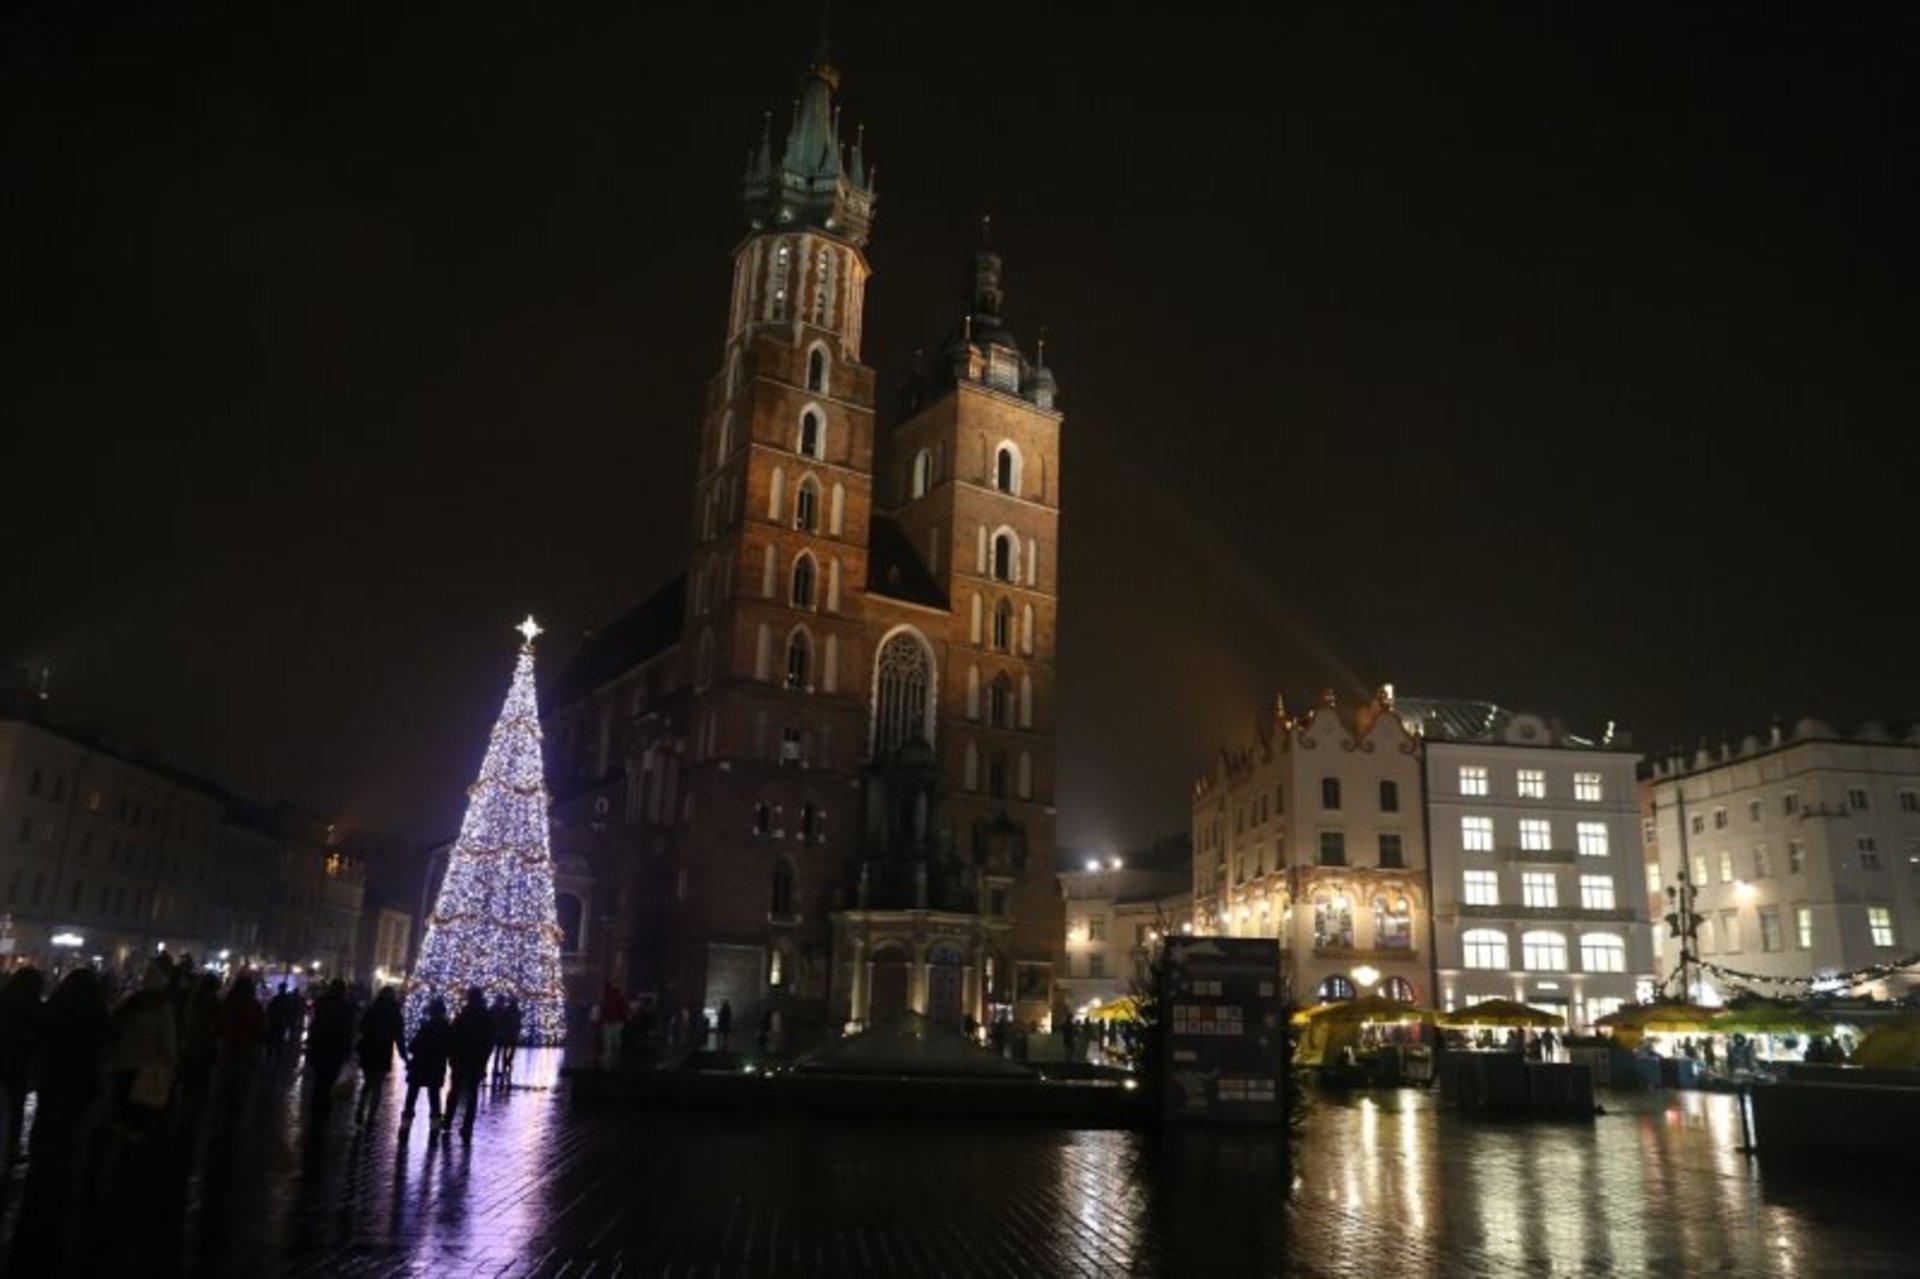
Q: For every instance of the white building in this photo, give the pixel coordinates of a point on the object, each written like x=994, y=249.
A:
x=1539, y=888
x=1802, y=851
x=1116, y=915
x=1313, y=835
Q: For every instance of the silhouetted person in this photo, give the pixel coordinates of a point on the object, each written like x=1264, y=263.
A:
x=723, y=1024
x=472, y=1045
x=239, y=1032
x=427, y=1057
x=383, y=1032
x=329, y=1044
x=199, y=1045
x=613, y=1013
x=284, y=1013
x=20, y=1016
x=68, y=1078
x=516, y=1026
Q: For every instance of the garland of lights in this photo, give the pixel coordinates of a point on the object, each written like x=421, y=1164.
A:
x=1834, y=983
x=495, y=924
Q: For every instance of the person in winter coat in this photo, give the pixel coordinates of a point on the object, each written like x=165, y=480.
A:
x=382, y=1033
x=145, y=1055
x=67, y=1072
x=19, y=1039
x=427, y=1056
x=472, y=1045
x=329, y=1044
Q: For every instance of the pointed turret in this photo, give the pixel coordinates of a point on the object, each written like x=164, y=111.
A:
x=810, y=185
x=985, y=349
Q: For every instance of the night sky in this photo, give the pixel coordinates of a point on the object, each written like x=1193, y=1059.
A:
x=1557, y=355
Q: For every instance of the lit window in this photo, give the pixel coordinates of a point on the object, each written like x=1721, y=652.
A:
x=1796, y=856
x=1726, y=866
x=1592, y=837
x=1539, y=890
x=1587, y=788
x=1803, y=927
x=1602, y=953
x=1484, y=948
x=1473, y=779
x=1476, y=834
x=1699, y=868
x=1536, y=834
x=1596, y=892
x=1393, y=923
x=1543, y=952
x=1481, y=888
x=1880, y=924
x=1533, y=783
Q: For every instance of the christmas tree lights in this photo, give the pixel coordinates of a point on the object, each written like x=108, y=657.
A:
x=494, y=924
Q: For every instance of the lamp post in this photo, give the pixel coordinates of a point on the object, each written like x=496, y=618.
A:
x=1685, y=925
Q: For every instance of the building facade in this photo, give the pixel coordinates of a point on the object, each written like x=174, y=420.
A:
x=1313, y=834
x=1801, y=851
x=815, y=776
x=1116, y=915
x=1539, y=887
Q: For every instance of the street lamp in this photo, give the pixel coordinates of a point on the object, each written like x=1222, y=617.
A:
x=1685, y=924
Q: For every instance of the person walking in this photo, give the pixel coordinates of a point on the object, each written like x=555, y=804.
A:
x=613, y=1022
x=383, y=1032
x=284, y=1013
x=723, y=1024
x=239, y=1032
x=427, y=1056
x=20, y=1014
x=76, y=1030
x=329, y=1044
x=472, y=1045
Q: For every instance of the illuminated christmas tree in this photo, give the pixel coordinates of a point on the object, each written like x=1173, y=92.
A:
x=494, y=924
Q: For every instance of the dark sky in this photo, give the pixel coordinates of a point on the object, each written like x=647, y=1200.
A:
x=1559, y=355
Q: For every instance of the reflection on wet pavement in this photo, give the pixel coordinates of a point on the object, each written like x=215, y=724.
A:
x=1382, y=1184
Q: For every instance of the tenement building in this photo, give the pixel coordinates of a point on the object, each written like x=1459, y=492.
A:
x=1801, y=851
x=1118, y=911
x=1539, y=888
x=1312, y=833
x=815, y=776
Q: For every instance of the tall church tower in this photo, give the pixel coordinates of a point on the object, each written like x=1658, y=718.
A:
x=782, y=504
x=974, y=485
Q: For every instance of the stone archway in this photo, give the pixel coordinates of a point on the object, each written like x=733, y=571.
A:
x=946, y=987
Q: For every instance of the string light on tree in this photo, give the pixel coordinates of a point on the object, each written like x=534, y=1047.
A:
x=494, y=924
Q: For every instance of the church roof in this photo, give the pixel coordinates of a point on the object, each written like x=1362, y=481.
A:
x=894, y=568
x=649, y=629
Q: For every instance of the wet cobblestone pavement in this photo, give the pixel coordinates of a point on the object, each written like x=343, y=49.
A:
x=1386, y=1184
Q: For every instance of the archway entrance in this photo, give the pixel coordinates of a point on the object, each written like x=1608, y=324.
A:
x=887, y=997
x=946, y=987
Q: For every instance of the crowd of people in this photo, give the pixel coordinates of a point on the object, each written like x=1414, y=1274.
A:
x=130, y=1084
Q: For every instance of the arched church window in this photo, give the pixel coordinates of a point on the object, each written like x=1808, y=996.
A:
x=903, y=681
x=803, y=581
x=1006, y=469
x=806, y=505
x=1003, y=625
x=816, y=370
x=799, y=659
x=922, y=472
x=812, y=435
x=999, y=702
x=1005, y=552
